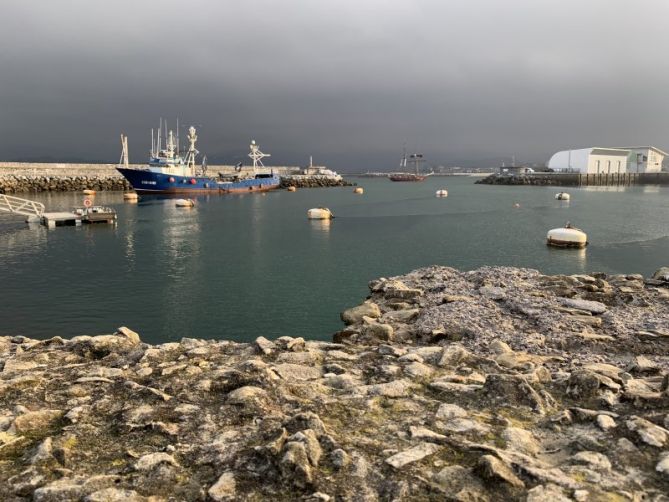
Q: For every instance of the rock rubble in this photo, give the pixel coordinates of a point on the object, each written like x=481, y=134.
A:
x=493, y=384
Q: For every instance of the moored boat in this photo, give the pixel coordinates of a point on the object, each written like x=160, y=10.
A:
x=415, y=159
x=168, y=172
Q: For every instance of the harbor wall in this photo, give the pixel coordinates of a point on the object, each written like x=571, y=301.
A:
x=26, y=177
x=577, y=179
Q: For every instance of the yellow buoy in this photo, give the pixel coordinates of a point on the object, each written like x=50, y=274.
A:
x=89, y=192
x=358, y=190
x=291, y=188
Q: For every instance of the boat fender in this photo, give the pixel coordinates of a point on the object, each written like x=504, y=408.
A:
x=192, y=181
x=171, y=180
x=206, y=185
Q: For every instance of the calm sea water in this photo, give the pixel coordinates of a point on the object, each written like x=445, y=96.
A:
x=237, y=267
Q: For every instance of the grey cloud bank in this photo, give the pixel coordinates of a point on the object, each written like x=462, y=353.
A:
x=349, y=82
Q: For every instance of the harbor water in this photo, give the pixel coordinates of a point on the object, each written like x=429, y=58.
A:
x=241, y=266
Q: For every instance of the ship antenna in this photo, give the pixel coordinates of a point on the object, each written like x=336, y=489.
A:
x=152, y=154
x=257, y=155
x=177, y=136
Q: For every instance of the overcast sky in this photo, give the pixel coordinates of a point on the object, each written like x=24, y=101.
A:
x=349, y=81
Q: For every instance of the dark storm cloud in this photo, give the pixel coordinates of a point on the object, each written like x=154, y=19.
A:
x=347, y=81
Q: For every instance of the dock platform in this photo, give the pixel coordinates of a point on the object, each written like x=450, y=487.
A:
x=60, y=219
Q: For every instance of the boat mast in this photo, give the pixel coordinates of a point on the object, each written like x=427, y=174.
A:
x=256, y=155
x=124, y=151
x=159, y=136
x=192, y=151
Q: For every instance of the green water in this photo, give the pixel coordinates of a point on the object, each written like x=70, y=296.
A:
x=237, y=267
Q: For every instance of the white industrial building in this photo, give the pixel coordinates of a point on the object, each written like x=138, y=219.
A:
x=597, y=160
x=644, y=159
x=590, y=161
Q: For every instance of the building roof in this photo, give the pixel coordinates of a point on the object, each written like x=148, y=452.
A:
x=609, y=151
x=644, y=147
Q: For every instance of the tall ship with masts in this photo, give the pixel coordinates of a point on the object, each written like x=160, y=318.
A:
x=168, y=171
x=415, y=159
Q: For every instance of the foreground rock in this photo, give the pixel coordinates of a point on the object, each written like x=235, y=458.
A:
x=495, y=384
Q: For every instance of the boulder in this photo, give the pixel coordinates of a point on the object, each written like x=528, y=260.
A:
x=367, y=309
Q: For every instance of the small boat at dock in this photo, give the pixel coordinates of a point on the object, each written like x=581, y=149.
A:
x=95, y=214
x=185, y=203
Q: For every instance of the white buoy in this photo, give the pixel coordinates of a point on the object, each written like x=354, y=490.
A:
x=185, y=202
x=132, y=196
x=562, y=196
x=319, y=213
x=358, y=190
x=567, y=237
x=291, y=188
x=442, y=193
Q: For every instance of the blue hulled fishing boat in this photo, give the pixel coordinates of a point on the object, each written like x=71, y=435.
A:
x=169, y=172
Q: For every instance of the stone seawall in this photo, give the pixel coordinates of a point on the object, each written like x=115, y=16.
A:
x=35, y=184
x=304, y=181
x=32, y=178
x=494, y=384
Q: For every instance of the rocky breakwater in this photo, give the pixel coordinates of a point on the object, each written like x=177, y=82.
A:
x=494, y=384
x=23, y=183
x=304, y=181
x=529, y=179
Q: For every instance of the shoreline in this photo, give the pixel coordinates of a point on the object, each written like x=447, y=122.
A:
x=497, y=382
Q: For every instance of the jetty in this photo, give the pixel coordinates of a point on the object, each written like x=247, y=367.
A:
x=576, y=179
x=35, y=213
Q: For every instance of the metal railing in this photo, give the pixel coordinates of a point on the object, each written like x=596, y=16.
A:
x=21, y=206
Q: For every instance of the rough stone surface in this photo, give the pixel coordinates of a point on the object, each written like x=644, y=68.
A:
x=471, y=386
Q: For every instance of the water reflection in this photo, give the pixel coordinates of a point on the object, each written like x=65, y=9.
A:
x=25, y=239
x=613, y=188
x=577, y=257
x=322, y=226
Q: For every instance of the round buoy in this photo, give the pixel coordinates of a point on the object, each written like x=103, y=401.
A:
x=192, y=181
x=442, y=193
x=130, y=196
x=291, y=188
x=89, y=192
x=319, y=213
x=516, y=205
x=567, y=237
x=562, y=196
x=185, y=203
x=170, y=179
x=358, y=190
